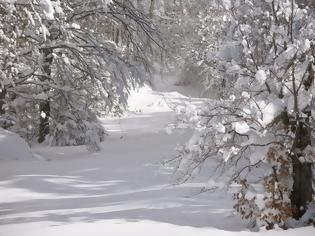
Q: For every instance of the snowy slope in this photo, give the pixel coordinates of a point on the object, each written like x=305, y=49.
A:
x=123, y=190
x=13, y=148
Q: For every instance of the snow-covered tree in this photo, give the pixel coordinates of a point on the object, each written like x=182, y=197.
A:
x=260, y=134
x=64, y=62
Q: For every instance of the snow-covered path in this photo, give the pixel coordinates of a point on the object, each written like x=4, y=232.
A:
x=123, y=190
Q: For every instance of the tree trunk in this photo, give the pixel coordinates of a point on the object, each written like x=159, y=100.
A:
x=302, y=187
x=44, y=120
x=44, y=106
x=2, y=97
x=302, y=192
x=117, y=36
x=151, y=10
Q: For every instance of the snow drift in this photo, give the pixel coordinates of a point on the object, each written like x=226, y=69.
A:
x=12, y=147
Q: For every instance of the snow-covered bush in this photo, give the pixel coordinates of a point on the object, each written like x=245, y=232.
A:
x=73, y=128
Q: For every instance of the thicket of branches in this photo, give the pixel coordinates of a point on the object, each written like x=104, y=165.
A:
x=64, y=62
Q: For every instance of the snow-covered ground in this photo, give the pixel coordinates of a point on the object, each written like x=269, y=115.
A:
x=123, y=190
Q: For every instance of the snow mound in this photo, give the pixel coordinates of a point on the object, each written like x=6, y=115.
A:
x=12, y=147
x=145, y=100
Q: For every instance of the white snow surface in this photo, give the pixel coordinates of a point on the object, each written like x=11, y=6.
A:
x=122, y=190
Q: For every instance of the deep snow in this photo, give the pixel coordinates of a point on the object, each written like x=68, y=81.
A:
x=123, y=190
x=12, y=147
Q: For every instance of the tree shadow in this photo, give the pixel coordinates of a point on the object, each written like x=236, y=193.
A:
x=82, y=198
x=119, y=183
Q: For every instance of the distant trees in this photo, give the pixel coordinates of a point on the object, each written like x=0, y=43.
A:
x=191, y=31
x=63, y=63
x=260, y=132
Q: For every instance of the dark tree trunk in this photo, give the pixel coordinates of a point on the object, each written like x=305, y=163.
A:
x=117, y=36
x=302, y=187
x=44, y=121
x=44, y=106
x=152, y=8
x=302, y=192
x=2, y=96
